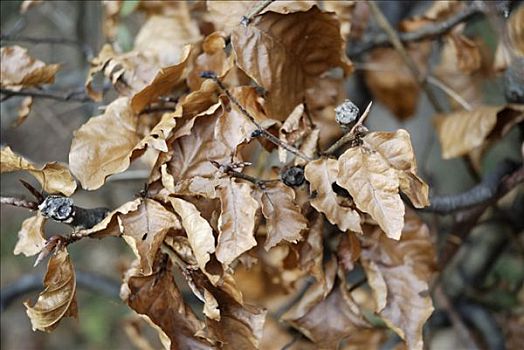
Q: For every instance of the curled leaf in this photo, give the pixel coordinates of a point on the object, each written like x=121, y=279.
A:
x=54, y=177
x=31, y=236
x=21, y=70
x=284, y=220
x=58, y=299
x=322, y=174
x=237, y=220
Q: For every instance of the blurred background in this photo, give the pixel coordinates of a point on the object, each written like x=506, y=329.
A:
x=47, y=134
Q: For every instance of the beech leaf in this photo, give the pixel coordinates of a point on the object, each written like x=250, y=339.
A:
x=58, y=299
x=399, y=272
x=237, y=220
x=21, y=70
x=373, y=184
x=54, y=177
x=322, y=174
x=284, y=220
x=286, y=53
x=31, y=236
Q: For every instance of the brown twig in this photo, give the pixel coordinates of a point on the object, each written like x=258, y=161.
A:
x=263, y=132
x=427, y=32
x=52, y=95
x=399, y=47
x=350, y=136
x=228, y=169
x=18, y=202
x=260, y=6
x=462, y=330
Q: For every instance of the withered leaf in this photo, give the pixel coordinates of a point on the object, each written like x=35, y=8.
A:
x=21, y=70
x=199, y=232
x=58, y=299
x=399, y=273
x=286, y=53
x=191, y=154
x=284, y=221
x=54, y=177
x=227, y=14
x=110, y=226
x=144, y=230
x=396, y=148
x=157, y=297
x=31, y=236
x=101, y=146
x=23, y=111
x=236, y=221
x=463, y=131
x=163, y=82
x=240, y=326
x=373, y=184
x=467, y=51
x=322, y=174
x=311, y=249
x=327, y=313
x=392, y=83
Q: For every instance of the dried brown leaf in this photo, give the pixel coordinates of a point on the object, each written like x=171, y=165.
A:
x=284, y=221
x=144, y=230
x=31, y=236
x=373, y=184
x=237, y=220
x=21, y=70
x=102, y=146
x=110, y=226
x=285, y=54
x=54, y=177
x=23, y=111
x=399, y=272
x=392, y=83
x=226, y=15
x=58, y=299
x=199, y=233
x=322, y=174
x=396, y=149
x=467, y=51
x=327, y=313
x=463, y=131
x=158, y=299
x=163, y=82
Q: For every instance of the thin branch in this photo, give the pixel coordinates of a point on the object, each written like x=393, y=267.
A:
x=227, y=169
x=399, y=47
x=269, y=136
x=31, y=283
x=505, y=177
x=350, y=136
x=86, y=50
x=427, y=32
x=18, y=202
x=52, y=95
x=450, y=92
x=260, y=6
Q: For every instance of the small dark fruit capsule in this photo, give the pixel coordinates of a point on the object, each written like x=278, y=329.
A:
x=293, y=176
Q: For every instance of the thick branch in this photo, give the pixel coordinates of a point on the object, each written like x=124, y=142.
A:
x=427, y=32
x=505, y=177
x=30, y=283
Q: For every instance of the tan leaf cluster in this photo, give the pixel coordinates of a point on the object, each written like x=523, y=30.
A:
x=274, y=51
x=399, y=272
x=464, y=131
x=58, y=299
x=54, y=177
x=20, y=70
x=374, y=172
